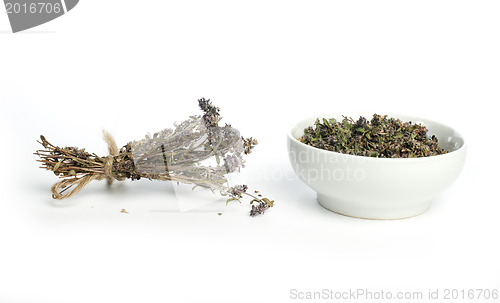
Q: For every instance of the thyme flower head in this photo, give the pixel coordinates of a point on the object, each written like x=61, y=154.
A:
x=261, y=206
x=211, y=116
x=249, y=144
x=233, y=163
x=238, y=190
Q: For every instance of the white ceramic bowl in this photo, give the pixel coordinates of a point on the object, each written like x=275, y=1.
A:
x=377, y=188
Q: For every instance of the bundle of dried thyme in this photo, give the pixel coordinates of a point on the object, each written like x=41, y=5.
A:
x=175, y=154
x=381, y=137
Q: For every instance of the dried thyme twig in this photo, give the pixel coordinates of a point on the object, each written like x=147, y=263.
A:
x=169, y=155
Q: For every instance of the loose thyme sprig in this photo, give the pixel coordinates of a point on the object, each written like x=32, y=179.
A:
x=262, y=204
x=170, y=155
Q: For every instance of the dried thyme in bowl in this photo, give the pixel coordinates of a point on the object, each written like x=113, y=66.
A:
x=381, y=137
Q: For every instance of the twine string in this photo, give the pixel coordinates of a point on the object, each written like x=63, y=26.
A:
x=69, y=187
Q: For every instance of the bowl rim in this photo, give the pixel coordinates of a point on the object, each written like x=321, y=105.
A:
x=393, y=115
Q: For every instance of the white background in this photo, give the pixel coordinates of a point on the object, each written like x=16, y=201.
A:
x=137, y=66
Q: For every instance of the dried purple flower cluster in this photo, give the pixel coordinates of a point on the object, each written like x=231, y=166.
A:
x=238, y=190
x=211, y=115
x=233, y=163
x=261, y=206
x=249, y=144
x=258, y=209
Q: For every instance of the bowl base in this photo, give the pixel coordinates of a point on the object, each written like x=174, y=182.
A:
x=347, y=209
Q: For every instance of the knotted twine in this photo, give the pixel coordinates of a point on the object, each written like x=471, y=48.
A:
x=78, y=183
